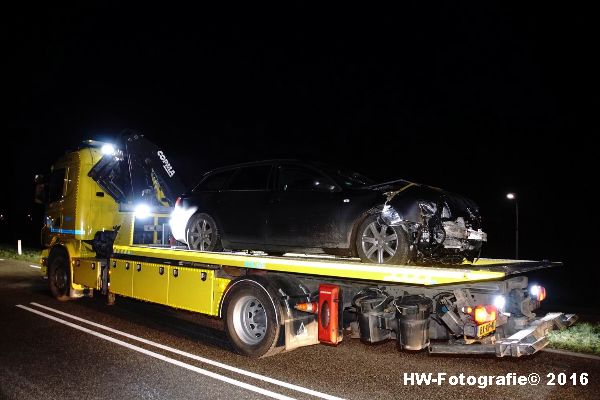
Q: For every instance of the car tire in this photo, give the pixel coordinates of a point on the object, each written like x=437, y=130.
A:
x=203, y=233
x=382, y=244
x=251, y=319
x=59, y=275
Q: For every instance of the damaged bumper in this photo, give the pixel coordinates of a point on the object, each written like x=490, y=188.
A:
x=525, y=342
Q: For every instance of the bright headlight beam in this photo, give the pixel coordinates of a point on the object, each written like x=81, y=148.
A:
x=108, y=149
x=500, y=302
x=534, y=290
x=142, y=211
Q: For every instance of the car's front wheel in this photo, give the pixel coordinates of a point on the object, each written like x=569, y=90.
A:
x=203, y=233
x=382, y=244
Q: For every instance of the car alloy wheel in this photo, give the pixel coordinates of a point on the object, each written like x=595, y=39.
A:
x=379, y=242
x=201, y=235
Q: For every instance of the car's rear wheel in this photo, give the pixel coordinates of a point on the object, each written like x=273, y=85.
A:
x=382, y=244
x=203, y=233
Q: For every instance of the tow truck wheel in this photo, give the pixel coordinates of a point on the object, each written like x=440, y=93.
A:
x=59, y=275
x=382, y=244
x=204, y=234
x=251, y=319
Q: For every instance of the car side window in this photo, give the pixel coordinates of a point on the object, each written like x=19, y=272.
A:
x=215, y=181
x=299, y=179
x=57, y=185
x=250, y=178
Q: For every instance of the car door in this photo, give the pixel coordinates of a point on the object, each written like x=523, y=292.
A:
x=304, y=209
x=242, y=206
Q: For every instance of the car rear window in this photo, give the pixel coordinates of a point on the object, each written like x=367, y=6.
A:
x=215, y=181
x=250, y=178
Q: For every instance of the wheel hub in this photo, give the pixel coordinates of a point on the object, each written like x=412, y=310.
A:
x=379, y=242
x=250, y=320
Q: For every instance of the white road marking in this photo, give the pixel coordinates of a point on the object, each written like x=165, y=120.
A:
x=1, y=259
x=213, y=375
x=195, y=357
x=572, y=353
x=35, y=266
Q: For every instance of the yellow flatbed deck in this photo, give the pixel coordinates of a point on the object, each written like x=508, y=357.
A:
x=484, y=269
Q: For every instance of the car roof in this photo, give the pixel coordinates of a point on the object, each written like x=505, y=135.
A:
x=261, y=162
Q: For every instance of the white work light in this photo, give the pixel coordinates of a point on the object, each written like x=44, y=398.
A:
x=108, y=149
x=142, y=211
x=500, y=302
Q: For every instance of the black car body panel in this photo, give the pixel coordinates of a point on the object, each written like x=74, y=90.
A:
x=289, y=205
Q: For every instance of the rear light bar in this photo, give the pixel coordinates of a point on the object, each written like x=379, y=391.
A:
x=538, y=292
x=482, y=313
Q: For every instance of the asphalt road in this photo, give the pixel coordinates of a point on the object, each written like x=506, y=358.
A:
x=166, y=354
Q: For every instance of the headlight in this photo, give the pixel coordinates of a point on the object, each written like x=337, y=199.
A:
x=390, y=216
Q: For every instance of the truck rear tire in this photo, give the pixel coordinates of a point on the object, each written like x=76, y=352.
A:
x=59, y=275
x=251, y=319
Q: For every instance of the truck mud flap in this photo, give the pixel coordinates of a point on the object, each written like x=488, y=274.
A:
x=525, y=342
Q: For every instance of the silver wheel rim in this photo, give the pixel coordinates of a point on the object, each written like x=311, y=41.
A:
x=250, y=320
x=379, y=242
x=201, y=235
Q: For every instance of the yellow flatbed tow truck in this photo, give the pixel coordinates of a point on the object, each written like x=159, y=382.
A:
x=97, y=241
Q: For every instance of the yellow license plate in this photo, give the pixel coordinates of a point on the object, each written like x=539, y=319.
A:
x=486, y=329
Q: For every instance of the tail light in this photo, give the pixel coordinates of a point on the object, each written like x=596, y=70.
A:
x=482, y=314
x=178, y=202
x=328, y=316
x=538, y=292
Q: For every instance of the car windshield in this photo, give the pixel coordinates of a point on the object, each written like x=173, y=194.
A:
x=347, y=178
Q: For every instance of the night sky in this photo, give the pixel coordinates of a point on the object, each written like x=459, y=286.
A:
x=480, y=99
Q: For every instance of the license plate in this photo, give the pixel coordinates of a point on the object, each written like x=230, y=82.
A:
x=486, y=329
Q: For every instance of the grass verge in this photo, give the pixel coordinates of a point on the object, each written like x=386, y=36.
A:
x=30, y=255
x=583, y=337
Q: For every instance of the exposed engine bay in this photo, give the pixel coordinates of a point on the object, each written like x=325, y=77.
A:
x=446, y=230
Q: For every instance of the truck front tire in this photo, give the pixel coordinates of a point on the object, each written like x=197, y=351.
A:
x=59, y=275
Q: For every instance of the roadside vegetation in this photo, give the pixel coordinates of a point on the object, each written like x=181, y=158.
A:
x=10, y=251
x=582, y=337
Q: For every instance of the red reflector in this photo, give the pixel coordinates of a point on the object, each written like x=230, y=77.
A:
x=328, y=315
x=483, y=314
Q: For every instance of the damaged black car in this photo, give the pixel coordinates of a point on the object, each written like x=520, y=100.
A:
x=281, y=206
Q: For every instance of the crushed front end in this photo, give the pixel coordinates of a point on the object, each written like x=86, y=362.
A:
x=442, y=227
